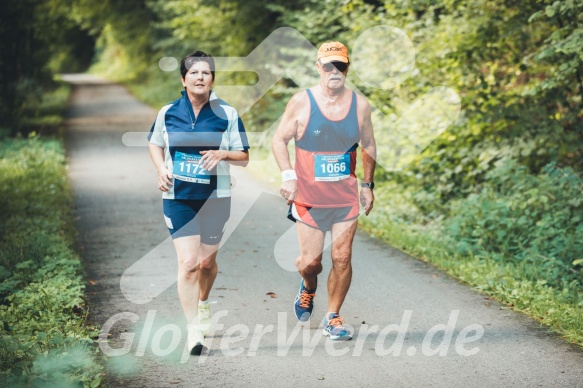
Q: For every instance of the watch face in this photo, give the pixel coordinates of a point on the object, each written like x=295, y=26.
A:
x=369, y=185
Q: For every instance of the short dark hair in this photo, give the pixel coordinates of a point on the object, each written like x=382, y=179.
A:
x=197, y=56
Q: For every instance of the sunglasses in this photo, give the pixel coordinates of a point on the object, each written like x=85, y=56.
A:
x=328, y=67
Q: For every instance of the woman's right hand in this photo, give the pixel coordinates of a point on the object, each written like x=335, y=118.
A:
x=164, y=178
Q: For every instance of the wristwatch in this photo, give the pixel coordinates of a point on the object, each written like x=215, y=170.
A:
x=370, y=185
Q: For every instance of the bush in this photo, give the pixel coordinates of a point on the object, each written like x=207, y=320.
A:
x=534, y=220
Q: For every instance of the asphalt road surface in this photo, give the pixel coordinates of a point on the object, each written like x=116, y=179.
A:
x=414, y=326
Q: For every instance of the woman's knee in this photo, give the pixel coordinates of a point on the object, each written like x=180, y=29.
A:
x=207, y=264
x=188, y=265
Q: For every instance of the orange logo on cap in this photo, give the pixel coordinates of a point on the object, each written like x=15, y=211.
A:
x=333, y=51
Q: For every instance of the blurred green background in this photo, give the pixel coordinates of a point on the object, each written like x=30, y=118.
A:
x=497, y=200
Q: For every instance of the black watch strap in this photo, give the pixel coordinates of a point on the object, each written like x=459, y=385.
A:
x=370, y=185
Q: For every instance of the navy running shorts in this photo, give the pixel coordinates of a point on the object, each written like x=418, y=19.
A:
x=205, y=217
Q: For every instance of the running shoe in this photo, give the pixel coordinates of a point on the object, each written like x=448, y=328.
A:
x=333, y=327
x=195, y=340
x=204, y=318
x=304, y=303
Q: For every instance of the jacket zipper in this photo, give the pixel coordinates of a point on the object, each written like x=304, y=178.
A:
x=192, y=120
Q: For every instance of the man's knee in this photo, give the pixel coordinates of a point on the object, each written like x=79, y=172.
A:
x=341, y=259
x=310, y=265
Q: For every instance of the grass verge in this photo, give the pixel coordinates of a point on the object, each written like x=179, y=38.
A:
x=44, y=339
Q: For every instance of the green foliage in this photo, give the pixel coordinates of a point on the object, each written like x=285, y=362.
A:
x=218, y=30
x=37, y=38
x=158, y=88
x=563, y=49
x=28, y=201
x=534, y=220
x=43, y=334
x=43, y=113
x=133, y=36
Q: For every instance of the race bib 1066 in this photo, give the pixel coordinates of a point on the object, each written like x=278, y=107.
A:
x=330, y=168
x=187, y=168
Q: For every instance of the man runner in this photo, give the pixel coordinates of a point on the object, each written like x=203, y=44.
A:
x=327, y=122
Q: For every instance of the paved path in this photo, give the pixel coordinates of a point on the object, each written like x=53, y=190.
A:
x=398, y=300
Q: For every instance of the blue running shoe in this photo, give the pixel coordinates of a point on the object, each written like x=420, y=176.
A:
x=304, y=303
x=333, y=327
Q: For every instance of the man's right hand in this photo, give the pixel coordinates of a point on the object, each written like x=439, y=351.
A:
x=289, y=190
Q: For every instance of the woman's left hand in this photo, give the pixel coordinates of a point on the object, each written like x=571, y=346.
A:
x=210, y=159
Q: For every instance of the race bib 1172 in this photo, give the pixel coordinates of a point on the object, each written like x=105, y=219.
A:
x=187, y=168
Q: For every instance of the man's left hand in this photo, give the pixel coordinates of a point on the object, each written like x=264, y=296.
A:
x=366, y=199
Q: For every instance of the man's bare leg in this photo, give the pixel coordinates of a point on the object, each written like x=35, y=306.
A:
x=309, y=263
x=341, y=272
